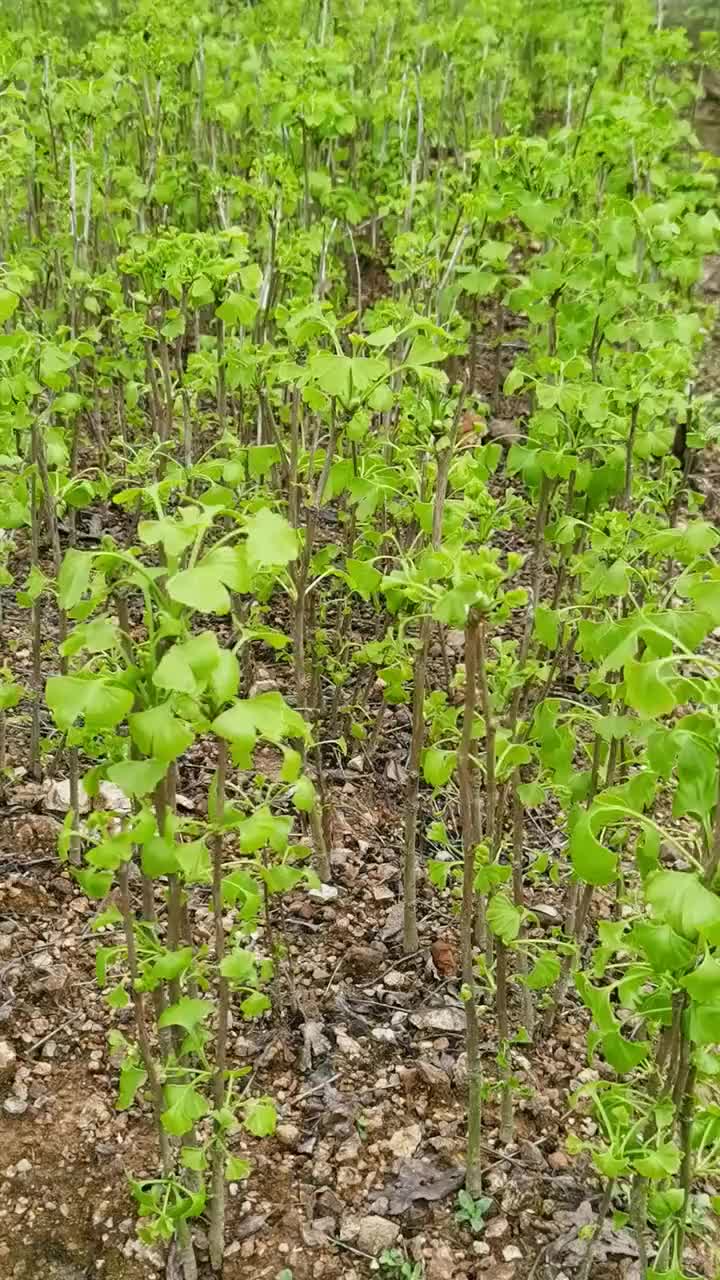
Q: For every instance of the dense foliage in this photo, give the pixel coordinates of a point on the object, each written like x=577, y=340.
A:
x=359, y=327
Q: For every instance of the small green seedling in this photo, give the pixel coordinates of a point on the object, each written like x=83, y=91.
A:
x=472, y=1213
x=395, y=1266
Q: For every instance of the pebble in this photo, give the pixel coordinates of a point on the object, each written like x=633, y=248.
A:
x=532, y=1155
x=62, y=885
x=546, y=911
x=349, y=1227
x=55, y=980
x=347, y=1046
x=15, y=1106
x=326, y=893
x=559, y=1160
x=288, y=1134
x=394, y=979
x=511, y=1253
x=8, y=1060
x=381, y=893
x=363, y=959
x=496, y=1181
x=375, y=1234
x=405, y=1142
x=460, y=1072
x=441, y=1264
x=57, y=796
x=109, y=796
x=348, y=1151
x=497, y=1229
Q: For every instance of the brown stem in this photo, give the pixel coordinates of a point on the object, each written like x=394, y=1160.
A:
x=578, y=905
x=686, y=1168
x=412, y=798
x=518, y=820
x=440, y=632
x=417, y=736
x=35, y=764
x=538, y=562
x=322, y=793
x=167, y=386
x=503, y=1021
x=187, y=417
x=293, y=485
x=490, y=734
x=159, y=419
x=574, y=892
x=54, y=536
x=673, y=1045
x=471, y=837
x=322, y=857
x=138, y=1000
x=149, y=913
x=566, y=553
x=302, y=571
x=627, y=490
x=497, y=354
x=163, y=802
x=216, y=1232
x=483, y=936
x=221, y=389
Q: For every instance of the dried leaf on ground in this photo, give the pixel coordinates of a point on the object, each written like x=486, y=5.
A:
x=418, y=1180
x=315, y=1044
x=611, y=1243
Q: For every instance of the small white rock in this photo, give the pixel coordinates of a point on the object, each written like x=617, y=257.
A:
x=394, y=979
x=109, y=796
x=326, y=893
x=376, y=1234
x=497, y=1229
x=546, y=911
x=57, y=796
x=8, y=1060
x=347, y=1046
x=405, y=1142
x=288, y=1134
x=15, y=1106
